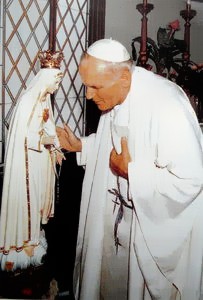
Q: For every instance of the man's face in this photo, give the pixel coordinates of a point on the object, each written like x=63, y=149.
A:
x=103, y=86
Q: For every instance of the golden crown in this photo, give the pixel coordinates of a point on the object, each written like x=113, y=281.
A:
x=50, y=59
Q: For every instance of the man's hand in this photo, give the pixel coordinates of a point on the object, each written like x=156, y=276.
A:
x=68, y=139
x=119, y=162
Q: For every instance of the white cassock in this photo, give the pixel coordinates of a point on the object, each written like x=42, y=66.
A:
x=29, y=177
x=160, y=234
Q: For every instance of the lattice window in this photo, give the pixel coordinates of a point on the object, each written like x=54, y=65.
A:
x=1, y=106
x=24, y=29
x=71, y=36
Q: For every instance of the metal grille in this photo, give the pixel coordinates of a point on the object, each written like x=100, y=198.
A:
x=71, y=33
x=1, y=106
x=24, y=29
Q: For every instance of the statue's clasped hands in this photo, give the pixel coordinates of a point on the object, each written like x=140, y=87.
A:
x=49, y=143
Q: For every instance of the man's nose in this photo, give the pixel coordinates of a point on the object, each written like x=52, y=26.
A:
x=90, y=92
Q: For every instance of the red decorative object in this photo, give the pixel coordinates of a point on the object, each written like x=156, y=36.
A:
x=9, y=266
x=45, y=115
x=175, y=25
x=27, y=291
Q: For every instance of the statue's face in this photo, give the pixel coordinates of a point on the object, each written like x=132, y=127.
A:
x=54, y=82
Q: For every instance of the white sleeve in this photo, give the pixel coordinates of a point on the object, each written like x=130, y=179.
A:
x=175, y=173
x=34, y=141
x=87, y=148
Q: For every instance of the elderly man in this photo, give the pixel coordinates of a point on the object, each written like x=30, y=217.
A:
x=141, y=228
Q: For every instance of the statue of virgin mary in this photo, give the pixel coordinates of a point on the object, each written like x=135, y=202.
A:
x=32, y=151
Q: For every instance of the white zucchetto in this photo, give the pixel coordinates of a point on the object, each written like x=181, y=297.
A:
x=109, y=50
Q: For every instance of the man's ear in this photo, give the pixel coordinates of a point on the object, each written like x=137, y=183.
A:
x=126, y=78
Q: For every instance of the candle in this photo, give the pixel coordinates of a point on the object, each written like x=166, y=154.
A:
x=188, y=2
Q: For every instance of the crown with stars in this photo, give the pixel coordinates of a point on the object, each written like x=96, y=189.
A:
x=50, y=59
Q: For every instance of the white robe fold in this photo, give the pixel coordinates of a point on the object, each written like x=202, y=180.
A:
x=162, y=239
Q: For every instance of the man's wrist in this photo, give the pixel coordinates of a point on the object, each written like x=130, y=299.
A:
x=79, y=146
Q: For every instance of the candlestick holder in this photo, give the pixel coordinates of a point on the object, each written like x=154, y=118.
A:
x=144, y=9
x=187, y=14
